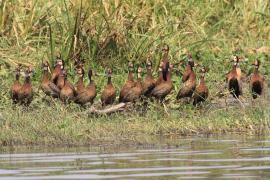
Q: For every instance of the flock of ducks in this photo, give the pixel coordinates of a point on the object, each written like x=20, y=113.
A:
x=56, y=84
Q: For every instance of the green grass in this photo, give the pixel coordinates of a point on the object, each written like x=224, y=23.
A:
x=211, y=30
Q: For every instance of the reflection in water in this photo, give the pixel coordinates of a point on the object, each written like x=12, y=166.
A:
x=191, y=158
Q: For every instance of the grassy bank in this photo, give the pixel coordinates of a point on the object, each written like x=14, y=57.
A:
x=59, y=125
x=111, y=33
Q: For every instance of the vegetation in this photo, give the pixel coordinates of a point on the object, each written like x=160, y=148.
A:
x=111, y=33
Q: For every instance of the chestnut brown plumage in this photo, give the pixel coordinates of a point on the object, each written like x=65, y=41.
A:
x=233, y=80
x=201, y=91
x=161, y=90
x=88, y=94
x=48, y=87
x=135, y=92
x=129, y=83
x=256, y=80
x=189, y=82
x=109, y=93
x=67, y=93
x=149, y=82
x=14, y=91
x=25, y=95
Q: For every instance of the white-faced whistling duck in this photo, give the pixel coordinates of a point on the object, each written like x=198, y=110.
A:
x=80, y=87
x=189, y=80
x=57, y=70
x=60, y=81
x=201, y=91
x=256, y=80
x=49, y=88
x=25, y=95
x=233, y=79
x=165, y=86
x=165, y=59
x=67, y=93
x=188, y=69
x=128, y=84
x=89, y=94
x=15, y=88
x=58, y=66
x=135, y=92
x=109, y=93
x=149, y=82
x=160, y=74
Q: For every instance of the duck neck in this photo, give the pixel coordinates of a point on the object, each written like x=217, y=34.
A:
x=189, y=68
x=45, y=74
x=17, y=76
x=165, y=56
x=192, y=76
x=27, y=80
x=90, y=79
x=109, y=80
x=130, y=76
x=149, y=72
x=58, y=67
x=202, y=79
x=234, y=68
x=65, y=81
x=139, y=78
x=256, y=70
x=81, y=78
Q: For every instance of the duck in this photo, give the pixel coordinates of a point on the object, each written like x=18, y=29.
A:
x=80, y=87
x=25, y=95
x=59, y=65
x=160, y=74
x=108, y=94
x=135, y=92
x=149, y=82
x=14, y=91
x=256, y=80
x=201, y=91
x=233, y=80
x=129, y=83
x=164, y=88
x=88, y=94
x=49, y=88
x=189, y=81
x=60, y=78
x=188, y=69
x=67, y=93
x=165, y=58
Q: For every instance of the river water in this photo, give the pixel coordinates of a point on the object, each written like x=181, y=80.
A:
x=227, y=157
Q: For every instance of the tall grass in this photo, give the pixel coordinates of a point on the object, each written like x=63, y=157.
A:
x=111, y=33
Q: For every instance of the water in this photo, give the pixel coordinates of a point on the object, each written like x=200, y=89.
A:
x=232, y=157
